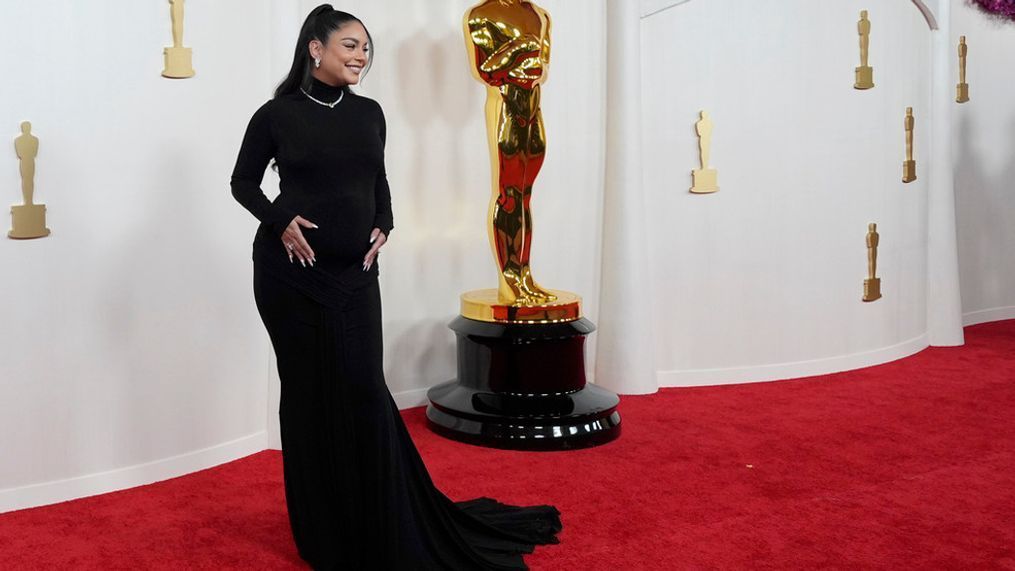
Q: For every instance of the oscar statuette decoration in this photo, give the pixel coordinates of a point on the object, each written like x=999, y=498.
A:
x=521, y=347
x=178, y=58
x=28, y=220
x=909, y=165
x=872, y=285
x=705, y=179
x=962, y=89
x=864, y=73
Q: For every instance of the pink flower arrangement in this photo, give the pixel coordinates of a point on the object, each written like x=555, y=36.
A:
x=1000, y=8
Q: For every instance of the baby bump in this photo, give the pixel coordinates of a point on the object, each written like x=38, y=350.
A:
x=343, y=227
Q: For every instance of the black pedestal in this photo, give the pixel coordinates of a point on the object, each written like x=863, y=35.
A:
x=522, y=386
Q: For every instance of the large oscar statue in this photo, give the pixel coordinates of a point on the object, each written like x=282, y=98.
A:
x=521, y=347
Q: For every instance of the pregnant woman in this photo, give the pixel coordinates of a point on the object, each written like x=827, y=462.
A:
x=358, y=494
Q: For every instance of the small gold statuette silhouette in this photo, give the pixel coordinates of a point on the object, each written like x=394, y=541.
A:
x=705, y=180
x=909, y=165
x=178, y=58
x=29, y=219
x=872, y=285
x=864, y=73
x=962, y=89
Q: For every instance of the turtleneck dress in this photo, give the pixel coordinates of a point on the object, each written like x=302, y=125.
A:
x=356, y=489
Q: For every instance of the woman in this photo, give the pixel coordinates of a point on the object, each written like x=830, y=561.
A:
x=356, y=489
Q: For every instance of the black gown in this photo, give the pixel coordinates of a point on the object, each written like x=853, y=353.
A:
x=357, y=492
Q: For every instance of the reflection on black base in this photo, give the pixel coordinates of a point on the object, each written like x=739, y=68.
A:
x=522, y=386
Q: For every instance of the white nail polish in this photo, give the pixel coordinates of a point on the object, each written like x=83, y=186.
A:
x=374, y=239
x=304, y=263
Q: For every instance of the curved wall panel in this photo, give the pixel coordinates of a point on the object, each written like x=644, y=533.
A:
x=763, y=279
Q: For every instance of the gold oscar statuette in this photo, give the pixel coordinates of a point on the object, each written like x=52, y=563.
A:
x=178, y=58
x=508, y=43
x=28, y=219
x=864, y=73
x=705, y=179
x=962, y=89
x=909, y=165
x=872, y=285
x=521, y=380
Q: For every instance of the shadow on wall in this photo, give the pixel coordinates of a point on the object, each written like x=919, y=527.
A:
x=436, y=98
x=982, y=206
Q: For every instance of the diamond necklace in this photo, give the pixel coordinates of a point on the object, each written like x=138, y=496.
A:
x=318, y=101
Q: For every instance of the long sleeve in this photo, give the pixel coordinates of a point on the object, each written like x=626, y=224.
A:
x=256, y=151
x=383, y=218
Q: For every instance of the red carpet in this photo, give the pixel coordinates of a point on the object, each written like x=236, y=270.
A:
x=904, y=465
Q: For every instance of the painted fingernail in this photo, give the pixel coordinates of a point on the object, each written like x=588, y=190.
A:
x=290, y=258
x=316, y=226
x=311, y=260
x=302, y=262
x=364, y=267
x=373, y=239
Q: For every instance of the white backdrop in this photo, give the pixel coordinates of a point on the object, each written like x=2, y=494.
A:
x=132, y=350
x=984, y=145
x=763, y=279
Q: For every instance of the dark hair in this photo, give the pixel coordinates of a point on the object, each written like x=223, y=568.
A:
x=319, y=25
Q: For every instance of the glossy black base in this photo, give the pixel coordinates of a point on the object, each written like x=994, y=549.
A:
x=523, y=387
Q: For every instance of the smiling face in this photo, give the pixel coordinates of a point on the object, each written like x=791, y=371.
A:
x=343, y=57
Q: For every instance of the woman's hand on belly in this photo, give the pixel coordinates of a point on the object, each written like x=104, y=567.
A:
x=296, y=244
x=377, y=238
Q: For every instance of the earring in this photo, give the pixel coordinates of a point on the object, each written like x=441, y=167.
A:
x=317, y=62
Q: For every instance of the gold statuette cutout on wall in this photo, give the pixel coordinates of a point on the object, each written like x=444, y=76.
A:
x=962, y=89
x=909, y=165
x=705, y=179
x=872, y=285
x=28, y=219
x=178, y=58
x=508, y=42
x=864, y=73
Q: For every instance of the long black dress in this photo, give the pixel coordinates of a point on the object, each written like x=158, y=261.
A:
x=358, y=494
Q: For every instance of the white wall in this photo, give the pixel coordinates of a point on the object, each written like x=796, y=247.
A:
x=764, y=278
x=984, y=146
x=128, y=335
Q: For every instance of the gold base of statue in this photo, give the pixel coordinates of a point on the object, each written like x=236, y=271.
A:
x=178, y=63
x=908, y=171
x=28, y=221
x=962, y=92
x=704, y=181
x=872, y=289
x=484, y=305
x=864, y=77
